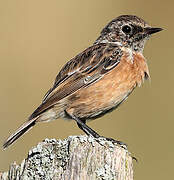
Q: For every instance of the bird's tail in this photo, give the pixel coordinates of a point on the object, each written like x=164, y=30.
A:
x=19, y=132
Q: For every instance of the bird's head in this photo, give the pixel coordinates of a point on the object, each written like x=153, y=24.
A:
x=129, y=31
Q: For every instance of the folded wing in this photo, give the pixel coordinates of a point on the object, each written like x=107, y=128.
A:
x=80, y=72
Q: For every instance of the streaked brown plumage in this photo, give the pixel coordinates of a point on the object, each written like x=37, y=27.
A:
x=97, y=80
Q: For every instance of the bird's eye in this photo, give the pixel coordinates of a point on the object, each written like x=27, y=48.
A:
x=126, y=29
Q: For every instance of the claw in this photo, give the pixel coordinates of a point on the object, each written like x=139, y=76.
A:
x=134, y=158
x=122, y=144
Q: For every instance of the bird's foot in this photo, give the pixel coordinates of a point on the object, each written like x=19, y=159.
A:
x=122, y=144
x=134, y=158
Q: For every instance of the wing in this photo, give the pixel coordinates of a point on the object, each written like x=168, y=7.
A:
x=80, y=72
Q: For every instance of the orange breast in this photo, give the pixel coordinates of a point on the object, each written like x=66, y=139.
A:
x=111, y=89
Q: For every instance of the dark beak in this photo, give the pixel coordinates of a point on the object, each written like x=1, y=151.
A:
x=152, y=30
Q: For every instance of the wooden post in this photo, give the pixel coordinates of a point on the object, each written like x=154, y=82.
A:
x=74, y=158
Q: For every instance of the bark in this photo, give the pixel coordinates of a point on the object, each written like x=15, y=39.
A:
x=74, y=158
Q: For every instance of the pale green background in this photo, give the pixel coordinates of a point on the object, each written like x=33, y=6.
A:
x=37, y=37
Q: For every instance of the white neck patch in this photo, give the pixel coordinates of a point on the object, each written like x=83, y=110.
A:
x=106, y=41
x=129, y=51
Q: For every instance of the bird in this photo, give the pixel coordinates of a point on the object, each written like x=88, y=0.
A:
x=97, y=80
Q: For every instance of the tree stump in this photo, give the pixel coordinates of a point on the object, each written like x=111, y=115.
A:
x=74, y=158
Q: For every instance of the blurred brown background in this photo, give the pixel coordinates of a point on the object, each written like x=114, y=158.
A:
x=38, y=37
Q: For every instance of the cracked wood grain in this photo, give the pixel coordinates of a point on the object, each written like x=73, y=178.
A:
x=74, y=158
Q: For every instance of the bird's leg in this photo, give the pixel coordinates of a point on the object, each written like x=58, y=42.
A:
x=82, y=125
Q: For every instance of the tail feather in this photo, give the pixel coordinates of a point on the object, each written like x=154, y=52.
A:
x=19, y=132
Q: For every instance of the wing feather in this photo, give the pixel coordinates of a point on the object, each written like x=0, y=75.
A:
x=83, y=70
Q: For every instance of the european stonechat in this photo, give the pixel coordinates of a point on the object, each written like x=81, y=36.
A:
x=97, y=80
